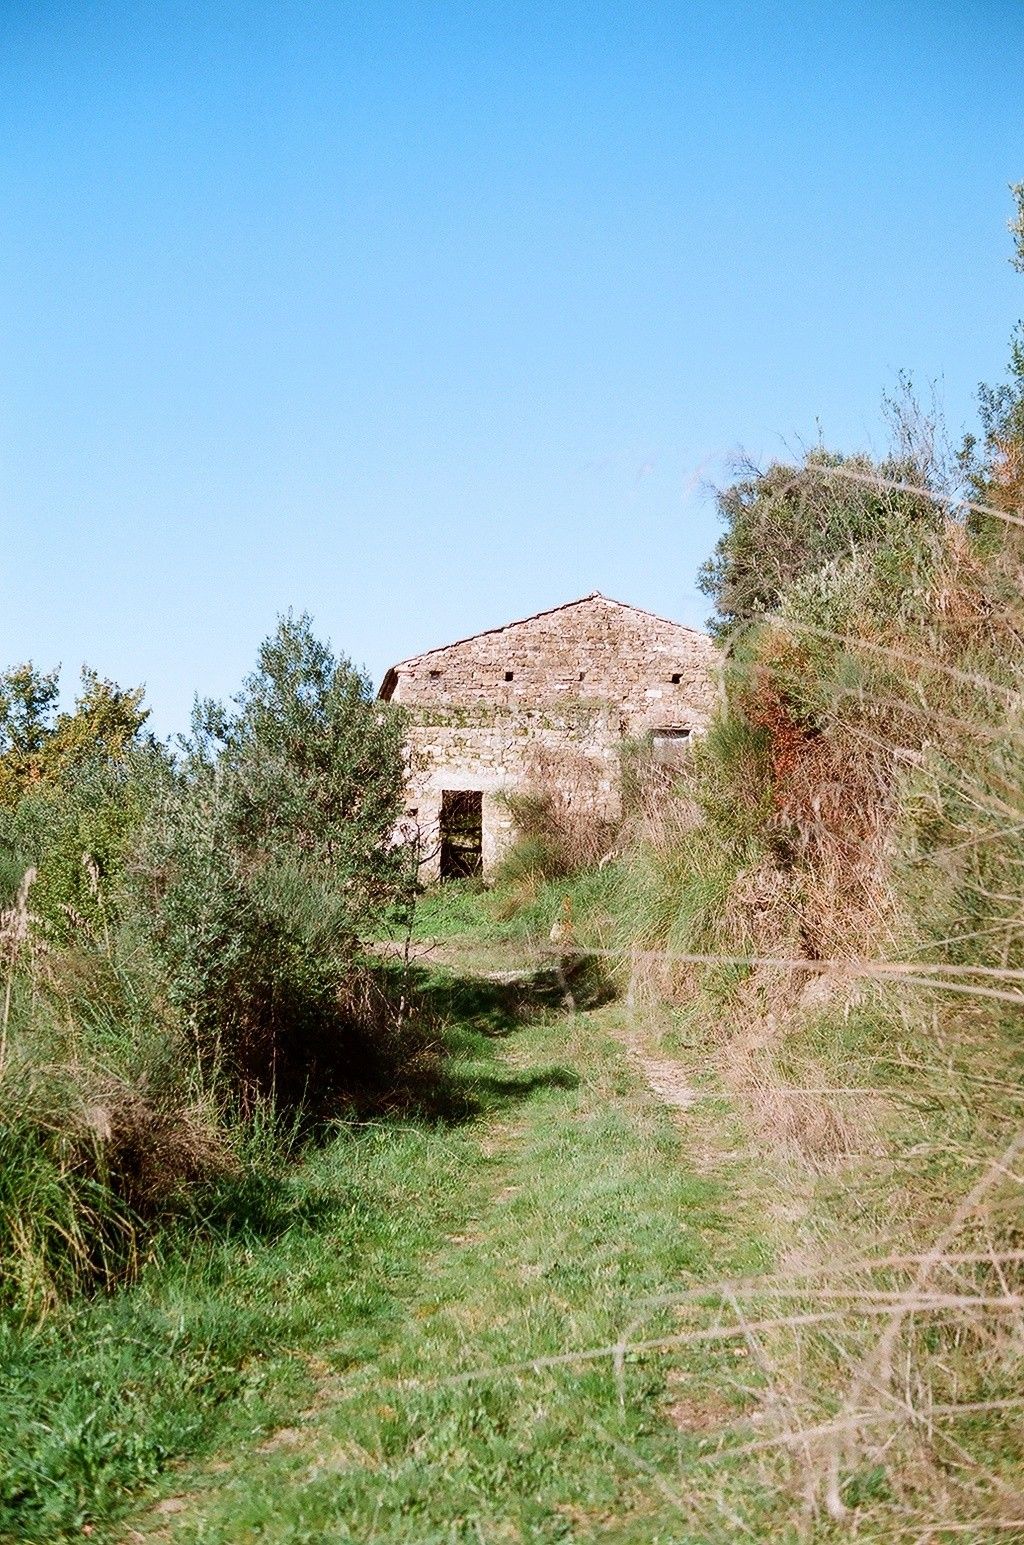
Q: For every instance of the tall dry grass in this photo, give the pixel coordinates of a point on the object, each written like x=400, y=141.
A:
x=564, y=821
x=835, y=905
x=103, y=1128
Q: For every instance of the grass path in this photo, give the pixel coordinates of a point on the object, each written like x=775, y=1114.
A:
x=409, y=1338
x=550, y=1224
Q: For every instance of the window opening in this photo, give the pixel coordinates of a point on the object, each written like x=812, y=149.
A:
x=435, y=675
x=462, y=829
x=676, y=679
x=509, y=675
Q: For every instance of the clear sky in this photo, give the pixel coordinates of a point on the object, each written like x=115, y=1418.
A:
x=425, y=316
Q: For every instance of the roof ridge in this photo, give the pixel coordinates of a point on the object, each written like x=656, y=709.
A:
x=629, y=607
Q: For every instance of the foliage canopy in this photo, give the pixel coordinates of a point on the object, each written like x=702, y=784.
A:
x=269, y=857
x=792, y=520
x=41, y=746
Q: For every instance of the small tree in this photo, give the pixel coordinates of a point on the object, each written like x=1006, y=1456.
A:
x=74, y=789
x=788, y=521
x=39, y=746
x=271, y=857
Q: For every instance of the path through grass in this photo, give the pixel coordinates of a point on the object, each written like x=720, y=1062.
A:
x=545, y=1227
x=327, y=1370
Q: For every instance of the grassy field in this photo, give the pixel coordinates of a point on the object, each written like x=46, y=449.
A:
x=520, y=1313
x=330, y=1366
x=547, y=1226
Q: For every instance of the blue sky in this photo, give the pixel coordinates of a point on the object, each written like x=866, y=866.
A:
x=422, y=317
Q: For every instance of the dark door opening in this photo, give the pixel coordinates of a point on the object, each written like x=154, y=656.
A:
x=462, y=830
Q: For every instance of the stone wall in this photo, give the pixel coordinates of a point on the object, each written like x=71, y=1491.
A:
x=563, y=688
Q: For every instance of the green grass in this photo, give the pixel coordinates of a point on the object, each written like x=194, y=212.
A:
x=353, y=1289
x=354, y=1348
x=454, y=908
x=519, y=912
x=574, y=1208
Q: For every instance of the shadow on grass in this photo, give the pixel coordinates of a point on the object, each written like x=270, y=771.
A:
x=263, y=1205
x=437, y=1071
x=457, y=1092
x=522, y=1085
x=441, y=1067
x=460, y=1096
x=498, y=1005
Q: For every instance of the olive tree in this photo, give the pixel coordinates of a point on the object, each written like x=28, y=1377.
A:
x=270, y=858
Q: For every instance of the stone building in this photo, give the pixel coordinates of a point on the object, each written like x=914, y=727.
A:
x=545, y=701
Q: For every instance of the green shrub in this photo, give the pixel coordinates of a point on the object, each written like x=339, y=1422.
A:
x=788, y=522
x=80, y=833
x=41, y=747
x=179, y=945
x=267, y=858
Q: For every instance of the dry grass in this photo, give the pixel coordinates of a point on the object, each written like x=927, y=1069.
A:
x=563, y=819
x=848, y=955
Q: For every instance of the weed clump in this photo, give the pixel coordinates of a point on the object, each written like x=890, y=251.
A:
x=562, y=820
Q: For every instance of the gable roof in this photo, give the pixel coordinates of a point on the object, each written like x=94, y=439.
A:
x=391, y=677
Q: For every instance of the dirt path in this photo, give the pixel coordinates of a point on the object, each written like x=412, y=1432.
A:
x=667, y=1079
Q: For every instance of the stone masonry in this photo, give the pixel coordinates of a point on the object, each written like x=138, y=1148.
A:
x=554, y=695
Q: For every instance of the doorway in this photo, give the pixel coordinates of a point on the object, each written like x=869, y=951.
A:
x=462, y=831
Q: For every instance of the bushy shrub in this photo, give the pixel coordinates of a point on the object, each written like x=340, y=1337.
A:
x=80, y=833
x=41, y=747
x=790, y=521
x=96, y=1128
x=180, y=946
x=266, y=859
x=844, y=602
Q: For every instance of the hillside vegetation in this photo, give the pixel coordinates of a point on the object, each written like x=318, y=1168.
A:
x=180, y=950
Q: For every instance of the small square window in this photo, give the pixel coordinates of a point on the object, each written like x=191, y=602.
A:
x=509, y=675
x=677, y=678
x=435, y=675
